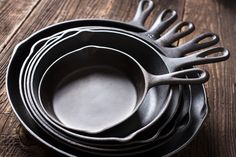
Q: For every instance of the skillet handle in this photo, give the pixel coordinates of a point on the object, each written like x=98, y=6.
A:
x=142, y=13
x=216, y=54
x=200, y=42
x=176, y=33
x=179, y=77
x=163, y=21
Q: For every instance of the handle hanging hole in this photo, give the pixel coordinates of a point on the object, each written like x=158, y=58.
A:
x=167, y=15
x=184, y=28
x=207, y=39
x=145, y=5
x=214, y=53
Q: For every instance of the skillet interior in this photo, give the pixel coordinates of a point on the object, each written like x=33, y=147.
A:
x=82, y=86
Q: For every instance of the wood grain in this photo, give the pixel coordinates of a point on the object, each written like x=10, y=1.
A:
x=217, y=137
x=12, y=15
x=19, y=20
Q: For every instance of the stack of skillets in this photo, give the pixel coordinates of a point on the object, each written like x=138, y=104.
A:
x=106, y=88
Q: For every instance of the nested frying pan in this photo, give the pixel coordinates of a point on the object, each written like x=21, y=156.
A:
x=75, y=82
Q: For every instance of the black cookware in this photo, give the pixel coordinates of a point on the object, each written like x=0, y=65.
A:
x=172, y=143
x=73, y=84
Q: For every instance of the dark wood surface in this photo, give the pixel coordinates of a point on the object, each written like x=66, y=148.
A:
x=18, y=19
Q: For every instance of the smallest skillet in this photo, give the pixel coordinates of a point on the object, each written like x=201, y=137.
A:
x=73, y=82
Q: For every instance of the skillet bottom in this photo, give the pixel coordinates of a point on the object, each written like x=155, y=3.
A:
x=93, y=98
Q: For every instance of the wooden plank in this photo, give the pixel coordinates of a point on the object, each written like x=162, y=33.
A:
x=15, y=141
x=12, y=14
x=217, y=137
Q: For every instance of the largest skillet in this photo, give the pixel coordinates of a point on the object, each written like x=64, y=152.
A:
x=21, y=52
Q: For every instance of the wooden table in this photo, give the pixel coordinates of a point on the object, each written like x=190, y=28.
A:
x=20, y=18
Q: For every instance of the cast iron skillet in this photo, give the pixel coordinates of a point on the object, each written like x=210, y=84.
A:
x=98, y=69
x=13, y=91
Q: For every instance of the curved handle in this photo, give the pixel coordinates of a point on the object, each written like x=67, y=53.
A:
x=198, y=43
x=176, y=33
x=203, y=57
x=163, y=21
x=179, y=77
x=142, y=13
